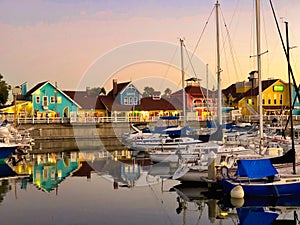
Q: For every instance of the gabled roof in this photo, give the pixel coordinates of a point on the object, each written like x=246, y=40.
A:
x=120, y=87
x=265, y=84
x=40, y=85
x=36, y=87
x=85, y=100
x=251, y=92
x=195, y=91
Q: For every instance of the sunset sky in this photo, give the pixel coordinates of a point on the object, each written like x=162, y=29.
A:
x=87, y=43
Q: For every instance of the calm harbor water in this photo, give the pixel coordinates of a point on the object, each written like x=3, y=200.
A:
x=97, y=187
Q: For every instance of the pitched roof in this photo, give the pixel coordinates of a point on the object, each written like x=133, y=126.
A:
x=251, y=92
x=36, y=87
x=149, y=104
x=39, y=85
x=85, y=100
x=120, y=87
x=195, y=91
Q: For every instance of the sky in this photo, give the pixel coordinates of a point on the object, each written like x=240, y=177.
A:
x=87, y=43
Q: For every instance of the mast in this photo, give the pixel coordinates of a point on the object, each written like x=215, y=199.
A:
x=290, y=91
x=218, y=66
x=182, y=81
x=258, y=54
x=207, y=87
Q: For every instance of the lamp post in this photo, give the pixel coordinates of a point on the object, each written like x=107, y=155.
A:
x=16, y=91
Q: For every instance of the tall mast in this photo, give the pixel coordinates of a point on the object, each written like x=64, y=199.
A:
x=182, y=81
x=218, y=66
x=206, y=98
x=258, y=54
x=290, y=90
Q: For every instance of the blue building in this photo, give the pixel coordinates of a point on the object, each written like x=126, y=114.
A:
x=122, y=99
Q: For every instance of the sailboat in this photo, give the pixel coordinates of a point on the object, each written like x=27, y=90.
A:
x=259, y=177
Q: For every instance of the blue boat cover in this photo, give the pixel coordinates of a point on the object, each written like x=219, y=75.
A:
x=257, y=168
x=250, y=216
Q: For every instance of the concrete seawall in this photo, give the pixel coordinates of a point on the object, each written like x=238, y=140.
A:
x=68, y=131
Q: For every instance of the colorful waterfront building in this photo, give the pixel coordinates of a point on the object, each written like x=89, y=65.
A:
x=49, y=101
x=201, y=103
x=245, y=96
x=44, y=100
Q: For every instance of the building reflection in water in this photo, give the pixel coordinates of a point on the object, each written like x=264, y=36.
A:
x=118, y=167
x=47, y=170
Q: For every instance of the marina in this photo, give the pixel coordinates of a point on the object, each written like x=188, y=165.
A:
x=153, y=132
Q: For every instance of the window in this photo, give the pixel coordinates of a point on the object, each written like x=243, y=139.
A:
x=249, y=101
x=269, y=101
x=135, y=101
x=52, y=99
x=280, y=101
x=125, y=101
x=263, y=101
x=275, y=99
x=37, y=100
x=59, y=100
x=130, y=101
x=45, y=100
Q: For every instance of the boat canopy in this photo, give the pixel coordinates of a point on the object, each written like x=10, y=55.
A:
x=257, y=168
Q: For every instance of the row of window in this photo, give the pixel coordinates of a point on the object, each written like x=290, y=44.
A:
x=45, y=100
x=275, y=102
x=130, y=100
x=251, y=102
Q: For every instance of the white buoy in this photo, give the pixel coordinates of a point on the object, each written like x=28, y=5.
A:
x=237, y=202
x=237, y=192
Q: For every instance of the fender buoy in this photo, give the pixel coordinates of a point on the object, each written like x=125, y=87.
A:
x=237, y=192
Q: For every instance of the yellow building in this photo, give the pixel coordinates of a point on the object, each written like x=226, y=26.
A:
x=245, y=96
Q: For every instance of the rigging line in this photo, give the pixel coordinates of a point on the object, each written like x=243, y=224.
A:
x=170, y=63
x=285, y=51
x=266, y=38
x=202, y=32
x=189, y=58
x=230, y=45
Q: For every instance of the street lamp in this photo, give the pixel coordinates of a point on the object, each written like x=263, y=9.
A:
x=16, y=91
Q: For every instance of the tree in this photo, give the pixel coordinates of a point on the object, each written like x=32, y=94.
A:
x=167, y=93
x=97, y=91
x=4, y=89
x=148, y=91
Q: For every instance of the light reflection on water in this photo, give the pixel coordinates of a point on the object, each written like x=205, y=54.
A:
x=94, y=187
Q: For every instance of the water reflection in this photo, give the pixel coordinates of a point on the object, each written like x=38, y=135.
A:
x=268, y=210
x=91, y=186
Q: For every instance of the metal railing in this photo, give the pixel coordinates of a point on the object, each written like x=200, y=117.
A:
x=87, y=120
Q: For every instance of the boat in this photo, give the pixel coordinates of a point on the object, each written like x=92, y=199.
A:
x=224, y=158
x=163, y=142
x=6, y=150
x=260, y=178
